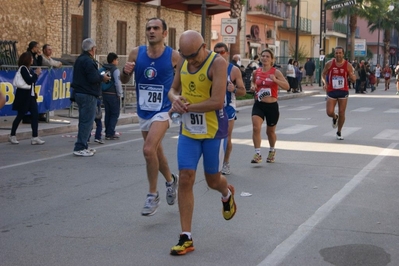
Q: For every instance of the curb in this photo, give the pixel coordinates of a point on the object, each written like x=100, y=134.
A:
x=48, y=129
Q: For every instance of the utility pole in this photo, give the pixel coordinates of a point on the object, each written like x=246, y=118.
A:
x=203, y=18
x=297, y=30
x=86, y=19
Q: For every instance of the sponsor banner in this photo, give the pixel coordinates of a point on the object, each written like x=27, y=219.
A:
x=52, y=88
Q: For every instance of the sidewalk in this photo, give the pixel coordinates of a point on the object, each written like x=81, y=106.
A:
x=64, y=121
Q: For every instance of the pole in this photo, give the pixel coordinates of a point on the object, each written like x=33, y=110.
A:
x=378, y=41
x=203, y=18
x=347, y=30
x=86, y=19
x=297, y=31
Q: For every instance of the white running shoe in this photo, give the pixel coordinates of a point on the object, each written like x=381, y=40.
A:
x=171, y=190
x=83, y=153
x=226, y=169
x=335, y=121
x=13, y=139
x=151, y=205
x=37, y=141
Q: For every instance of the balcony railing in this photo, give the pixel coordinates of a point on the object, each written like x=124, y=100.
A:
x=270, y=9
x=305, y=25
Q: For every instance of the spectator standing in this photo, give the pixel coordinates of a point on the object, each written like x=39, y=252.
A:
x=291, y=76
x=265, y=85
x=397, y=78
x=356, y=66
x=86, y=88
x=236, y=61
x=235, y=87
x=112, y=96
x=363, y=78
x=378, y=74
x=207, y=73
x=298, y=75
x=337, y=71
x=309, y=67
x=25, y=98
x=153, y=67
x=34, y=50
x=99, y=124
x=47, y=60
x=2, y=100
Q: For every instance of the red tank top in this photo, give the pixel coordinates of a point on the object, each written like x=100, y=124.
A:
x=338, y=77
x=265, y=86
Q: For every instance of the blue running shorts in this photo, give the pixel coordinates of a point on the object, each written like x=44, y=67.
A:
x=189, y=152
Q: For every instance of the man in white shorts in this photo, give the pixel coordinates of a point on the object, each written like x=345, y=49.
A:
x=153, y=67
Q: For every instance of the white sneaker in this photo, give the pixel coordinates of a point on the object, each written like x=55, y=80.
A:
x=37, y=141
x=83, y=153
x=92, y=150
x=226, y=169
x=13, y=139
x=335, y=121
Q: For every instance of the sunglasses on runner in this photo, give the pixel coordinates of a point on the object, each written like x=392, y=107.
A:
x=191, y=55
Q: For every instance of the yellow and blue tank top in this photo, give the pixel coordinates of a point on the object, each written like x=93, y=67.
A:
x=153, y=78
x=196, y=88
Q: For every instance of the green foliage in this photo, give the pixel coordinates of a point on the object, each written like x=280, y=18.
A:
x=302, y=54
x=245, y=97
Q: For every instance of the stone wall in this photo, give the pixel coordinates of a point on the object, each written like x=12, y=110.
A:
x=49, y=21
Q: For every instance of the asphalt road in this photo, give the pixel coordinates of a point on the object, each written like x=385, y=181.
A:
x=323, y=202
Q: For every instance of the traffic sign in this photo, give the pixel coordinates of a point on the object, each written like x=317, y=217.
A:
x=340, y=4
x=229, y=39
x=229, y=27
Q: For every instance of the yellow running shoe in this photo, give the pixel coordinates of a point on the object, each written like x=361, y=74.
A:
x=185, y=245
x=229, y=207
x=257, y=158
x=270, y=158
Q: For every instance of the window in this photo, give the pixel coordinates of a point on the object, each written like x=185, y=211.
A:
x=172, y=38
x=76, y=34
x=121, y=38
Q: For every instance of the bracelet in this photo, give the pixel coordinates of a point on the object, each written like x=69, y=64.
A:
x=235, y=90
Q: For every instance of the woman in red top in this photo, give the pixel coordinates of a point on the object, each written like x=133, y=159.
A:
x=264, y=85
x=387, y=73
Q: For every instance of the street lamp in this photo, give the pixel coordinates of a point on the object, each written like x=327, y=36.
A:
x=390, y=8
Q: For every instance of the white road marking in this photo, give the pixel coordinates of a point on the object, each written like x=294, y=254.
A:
x=294, y=129
x=304, y=230
x=392, y=111
x=301, y=108
x=346, y=131
x=65, y=154
x=390, y=134
x=362, y=109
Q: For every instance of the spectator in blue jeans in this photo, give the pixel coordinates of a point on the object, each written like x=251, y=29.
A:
x=99, y=124
x=112, y=94
x=86, y=89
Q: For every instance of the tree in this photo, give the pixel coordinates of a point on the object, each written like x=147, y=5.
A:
x=381, y=18
x=355, y=11
x=235, y=12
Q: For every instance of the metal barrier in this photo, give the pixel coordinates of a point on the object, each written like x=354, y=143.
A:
x=8, y=53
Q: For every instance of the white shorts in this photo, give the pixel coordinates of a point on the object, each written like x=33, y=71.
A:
x=145, y=124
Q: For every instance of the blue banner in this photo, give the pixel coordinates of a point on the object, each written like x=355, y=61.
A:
x=52, y=87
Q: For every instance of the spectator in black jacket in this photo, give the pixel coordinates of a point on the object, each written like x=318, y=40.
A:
x=86, y=85
x=34, y=49
x=25, y=99
x=309, y=70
